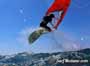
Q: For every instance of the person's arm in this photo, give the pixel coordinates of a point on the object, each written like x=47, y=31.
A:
x=61, y=18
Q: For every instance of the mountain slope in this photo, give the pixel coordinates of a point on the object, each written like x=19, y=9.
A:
x=46, y=59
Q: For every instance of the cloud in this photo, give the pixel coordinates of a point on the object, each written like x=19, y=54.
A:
x=54, y=41
x=24, y=33
x=65, y=42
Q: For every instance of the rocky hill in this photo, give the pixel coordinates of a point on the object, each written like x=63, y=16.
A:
x=73, y=58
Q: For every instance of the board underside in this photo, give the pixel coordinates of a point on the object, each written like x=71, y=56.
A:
x=36, y=34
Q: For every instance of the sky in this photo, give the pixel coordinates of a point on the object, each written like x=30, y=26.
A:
x=18, y=18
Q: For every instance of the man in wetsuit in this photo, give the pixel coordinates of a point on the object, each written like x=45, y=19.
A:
x=46, y=20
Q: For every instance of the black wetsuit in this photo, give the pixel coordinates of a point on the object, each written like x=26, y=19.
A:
x=46, y=20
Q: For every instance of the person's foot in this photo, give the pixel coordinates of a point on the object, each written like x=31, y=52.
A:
x=52, y=30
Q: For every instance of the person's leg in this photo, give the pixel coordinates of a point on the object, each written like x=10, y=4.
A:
x=48, y=28
x=45, y=26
